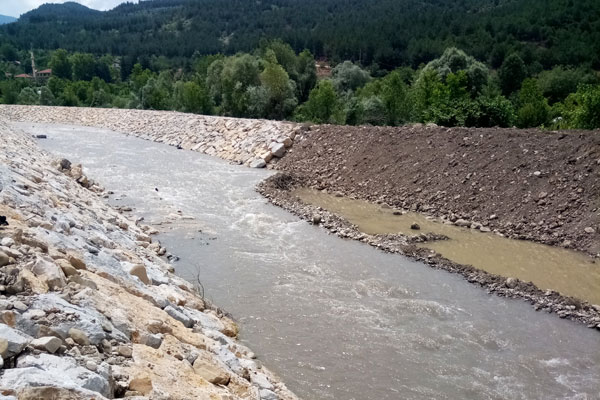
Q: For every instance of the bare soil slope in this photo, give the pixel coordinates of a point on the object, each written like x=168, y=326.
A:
x=528, y=184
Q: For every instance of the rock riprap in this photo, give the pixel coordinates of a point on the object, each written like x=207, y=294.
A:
x=252, y=142
x=89, y=309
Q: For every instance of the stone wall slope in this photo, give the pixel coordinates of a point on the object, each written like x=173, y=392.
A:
x=88, y=308
x=251, y=142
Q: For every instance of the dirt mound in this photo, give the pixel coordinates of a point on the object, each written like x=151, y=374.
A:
x=527, y=184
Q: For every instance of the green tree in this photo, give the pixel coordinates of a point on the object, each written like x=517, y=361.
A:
x=582, y=109
x=454, y=60
x=280, y=91
x=533, y=107
x=349, y=77
x=28, y=96
x=61, y=65
x=231, y=78
x=8, y=52
x=511, y=74
x=192, y=97
x=307, y=75
x=84, y=66
x=10, y=91
x=559, y=82
x=139, y=77
x=47, y=97
x=322, y=105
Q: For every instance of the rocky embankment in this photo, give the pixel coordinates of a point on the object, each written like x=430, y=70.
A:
x=90, y=310
x=252, y=142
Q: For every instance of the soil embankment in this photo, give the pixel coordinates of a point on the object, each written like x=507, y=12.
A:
x=88, y=307
x=525, y=184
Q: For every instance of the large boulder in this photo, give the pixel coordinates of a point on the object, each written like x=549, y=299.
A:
x=278, y=149
x=179, y=316
x=50, y=370
x=12, y=341
x=138, y=270
x=51, y=273
x=210, y=372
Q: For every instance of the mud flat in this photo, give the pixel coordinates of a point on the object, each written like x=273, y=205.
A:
x=90, y=310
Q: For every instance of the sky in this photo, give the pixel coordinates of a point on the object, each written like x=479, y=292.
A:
x=15, y=8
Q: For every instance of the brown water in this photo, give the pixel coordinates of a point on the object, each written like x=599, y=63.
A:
x=568, y=272
x=336, y=319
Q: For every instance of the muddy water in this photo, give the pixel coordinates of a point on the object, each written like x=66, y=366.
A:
x=335, y=318
x=569, y=272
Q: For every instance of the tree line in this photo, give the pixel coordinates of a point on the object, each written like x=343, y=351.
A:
x=275, y=82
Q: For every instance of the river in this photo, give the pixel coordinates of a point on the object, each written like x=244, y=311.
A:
x=336, y=319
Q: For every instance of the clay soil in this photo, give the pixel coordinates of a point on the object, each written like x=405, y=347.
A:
x=526, y=184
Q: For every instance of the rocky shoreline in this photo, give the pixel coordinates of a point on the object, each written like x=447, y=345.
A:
x=88, y=307
x=278, y=190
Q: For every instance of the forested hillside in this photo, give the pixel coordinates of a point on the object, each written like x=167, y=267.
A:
x=390, y=33
x=5, y=19
x=380, y=62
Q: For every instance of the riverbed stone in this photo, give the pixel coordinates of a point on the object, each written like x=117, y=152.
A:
x=79, y=336
x=49, y=343
x=53, y=275
x=211, y=373
x=278, y=149
x=76, y=262
x=141, y=384
x=511, y=283
x=179, y=316
x=12, y=341
x=138, y=270
x=7, y=242
x=268, y=395
x=67, y=268
x=4, y=259
x=50, y=370
x=258, y=163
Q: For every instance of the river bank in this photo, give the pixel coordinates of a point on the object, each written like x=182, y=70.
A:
x=547, y=183
x=521, y=184
x=335, y=319
x=90, y=310
x=279, y=191
x=251, y=142
x=525, y=184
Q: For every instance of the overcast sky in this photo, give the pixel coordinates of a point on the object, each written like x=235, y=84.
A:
x=14, y=8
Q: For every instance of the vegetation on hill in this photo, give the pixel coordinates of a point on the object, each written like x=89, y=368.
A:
x=387, y=33
x=468, y=63
x=5, y=19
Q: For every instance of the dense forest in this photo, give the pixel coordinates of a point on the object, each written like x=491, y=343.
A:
x=389, y=33
x=467, y=63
